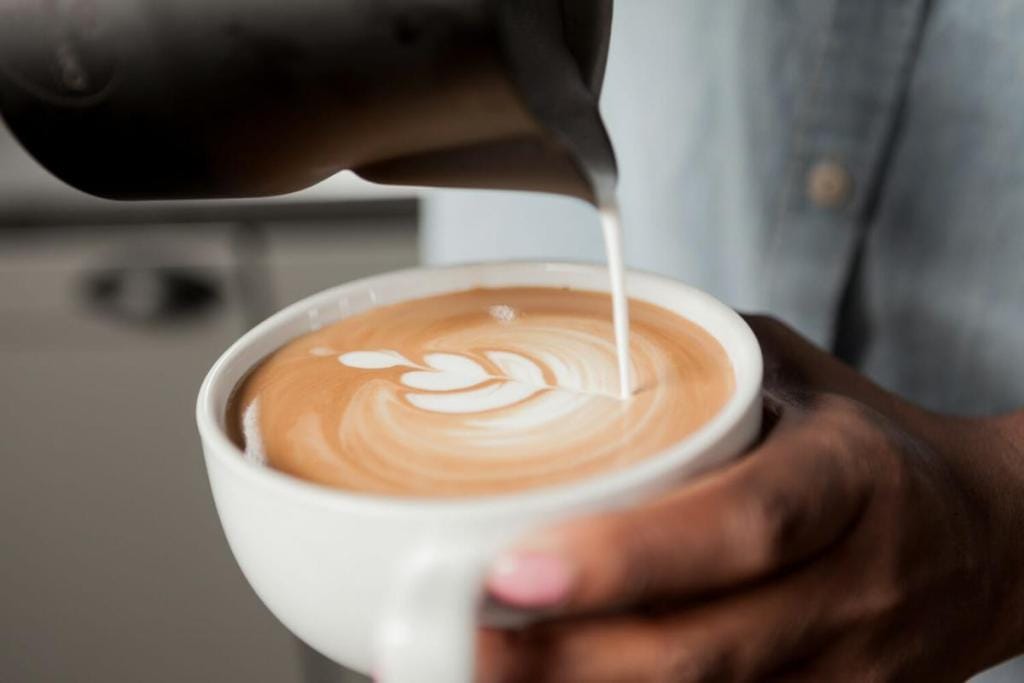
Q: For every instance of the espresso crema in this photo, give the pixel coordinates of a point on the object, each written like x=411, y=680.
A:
x=478, y=392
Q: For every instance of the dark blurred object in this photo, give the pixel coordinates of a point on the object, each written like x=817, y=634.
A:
x=144, y=99
x=151, y=295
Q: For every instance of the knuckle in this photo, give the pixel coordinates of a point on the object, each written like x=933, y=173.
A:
x=764, y=529
x=849, y=431
x=839, y=410
x=879, y=604
x=690, y=665
x=849, y=418
x=866, y=443
x=642, y=563
x=626, y=561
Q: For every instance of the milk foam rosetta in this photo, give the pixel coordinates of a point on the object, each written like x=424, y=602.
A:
x=478, y=392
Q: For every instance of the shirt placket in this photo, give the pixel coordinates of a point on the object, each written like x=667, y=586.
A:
x=844, y=130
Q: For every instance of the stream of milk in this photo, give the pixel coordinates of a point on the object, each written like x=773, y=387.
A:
x=611, y=225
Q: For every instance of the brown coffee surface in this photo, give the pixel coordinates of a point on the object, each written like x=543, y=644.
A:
x=478, y=392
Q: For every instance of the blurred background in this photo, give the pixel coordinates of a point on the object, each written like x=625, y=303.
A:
x=114, y=566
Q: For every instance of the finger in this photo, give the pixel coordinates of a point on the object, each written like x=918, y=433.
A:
x=792, y=361
x=744, y=637
x=796, y=369
x=793, y=496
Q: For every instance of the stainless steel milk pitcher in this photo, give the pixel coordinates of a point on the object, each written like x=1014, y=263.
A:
x=148, y=99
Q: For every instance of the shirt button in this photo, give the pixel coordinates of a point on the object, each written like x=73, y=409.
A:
x=829, y=185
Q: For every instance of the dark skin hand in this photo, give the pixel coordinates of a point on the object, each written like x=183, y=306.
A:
x=864, y=539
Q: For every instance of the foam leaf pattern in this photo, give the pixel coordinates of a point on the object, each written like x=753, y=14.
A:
x=458, y=384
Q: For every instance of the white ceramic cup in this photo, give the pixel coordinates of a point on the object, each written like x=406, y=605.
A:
x=394, y=585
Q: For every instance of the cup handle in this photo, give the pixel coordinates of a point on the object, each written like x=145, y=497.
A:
x=428, y=628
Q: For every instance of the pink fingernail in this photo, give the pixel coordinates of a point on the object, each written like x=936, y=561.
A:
x=530, y=579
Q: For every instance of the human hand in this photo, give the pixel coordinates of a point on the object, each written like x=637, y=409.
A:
x=863, y=540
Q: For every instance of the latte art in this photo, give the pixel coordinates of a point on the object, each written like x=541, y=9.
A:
x=519, y=378
x=478, y=392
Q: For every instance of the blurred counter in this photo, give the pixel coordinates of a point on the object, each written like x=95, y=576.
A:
x=114, y=565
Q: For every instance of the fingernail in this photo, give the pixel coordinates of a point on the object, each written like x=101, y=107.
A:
x=530, y=579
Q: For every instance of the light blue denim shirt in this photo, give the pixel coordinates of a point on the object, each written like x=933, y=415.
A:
x=855, y=167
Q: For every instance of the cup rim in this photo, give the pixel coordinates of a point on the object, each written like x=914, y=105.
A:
x=218, y=446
